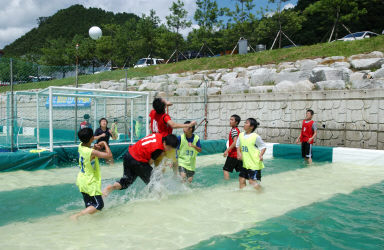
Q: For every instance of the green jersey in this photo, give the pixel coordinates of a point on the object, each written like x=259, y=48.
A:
x=89, y=177
x=250, y=152
x=186, y=155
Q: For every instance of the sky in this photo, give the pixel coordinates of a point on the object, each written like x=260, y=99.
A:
x=17, y=17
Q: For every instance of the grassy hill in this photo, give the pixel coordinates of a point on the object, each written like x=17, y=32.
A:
x=266, y=57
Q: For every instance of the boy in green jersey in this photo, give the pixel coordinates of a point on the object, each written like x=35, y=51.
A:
x=250, y=149
x=189, y=147
x=89, y=178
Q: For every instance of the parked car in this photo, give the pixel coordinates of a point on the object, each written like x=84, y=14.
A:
x=145, y=62
x=39, y=78
x=358, y=36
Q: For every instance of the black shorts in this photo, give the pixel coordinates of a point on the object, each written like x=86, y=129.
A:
x=306, y=150
x=95, y=201
x=231, y=164
x=134, y=169
x=250, y=174
x=189, y=173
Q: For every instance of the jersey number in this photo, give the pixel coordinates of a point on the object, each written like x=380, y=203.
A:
x=244, y=148
x=189, y=152
x=148, y=139
x=82, y=164
x=155, y=127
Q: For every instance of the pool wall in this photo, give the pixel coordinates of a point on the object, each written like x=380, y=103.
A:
x=33, y=159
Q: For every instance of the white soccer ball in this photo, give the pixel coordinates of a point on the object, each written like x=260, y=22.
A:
x=95, y=32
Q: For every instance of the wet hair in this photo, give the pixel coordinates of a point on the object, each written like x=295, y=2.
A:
x=193, y=127
x=237, y=118
x=158, y=105
x=253, y=123
x=85, y=135
x=171, y=140
x=105, y=119
x=310, y=111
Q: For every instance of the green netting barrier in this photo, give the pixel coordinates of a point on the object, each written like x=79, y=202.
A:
x=70, y=154
x=25, y=160
x=62, y=156
x=293, y=151
x=213, y=147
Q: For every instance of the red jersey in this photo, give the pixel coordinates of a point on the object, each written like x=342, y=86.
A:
x=144, y=148
x=159, y=123
x=306, y=131
x=233, y=133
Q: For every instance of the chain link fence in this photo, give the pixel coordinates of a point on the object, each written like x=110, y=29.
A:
x=26, y=72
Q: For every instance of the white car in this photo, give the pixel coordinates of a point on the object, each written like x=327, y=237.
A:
x=358, y=36
x=145, y=62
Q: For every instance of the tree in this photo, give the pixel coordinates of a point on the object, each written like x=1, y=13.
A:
x=336, y=11
x=177, y=20
x=207, y=14
x=147, y=28
x=279, y=2
x=291, y=23
x=55, y=53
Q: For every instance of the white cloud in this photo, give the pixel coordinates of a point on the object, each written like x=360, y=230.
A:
x=285, y=7
x=186, y=31
x=19, y=16
x=289, y=6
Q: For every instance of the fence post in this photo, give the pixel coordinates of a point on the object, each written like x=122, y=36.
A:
x=125, y=109
x=12, y=104
x=205, y=108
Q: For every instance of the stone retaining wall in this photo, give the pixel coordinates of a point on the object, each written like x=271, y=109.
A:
x=353, y=118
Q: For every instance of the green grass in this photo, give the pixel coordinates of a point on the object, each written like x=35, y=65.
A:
x=228, y=61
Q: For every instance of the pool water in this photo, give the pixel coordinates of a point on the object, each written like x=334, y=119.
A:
x=320, y=206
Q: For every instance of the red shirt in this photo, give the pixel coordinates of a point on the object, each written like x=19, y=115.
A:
x=144, y=148
x=233, y=133
x=159, y=123
x=306, y=131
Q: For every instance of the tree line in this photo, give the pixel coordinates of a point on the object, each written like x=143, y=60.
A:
x=127, y=37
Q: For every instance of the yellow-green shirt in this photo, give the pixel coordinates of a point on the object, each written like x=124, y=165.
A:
x=186, y=155
x=250, y=152
x=89, y=177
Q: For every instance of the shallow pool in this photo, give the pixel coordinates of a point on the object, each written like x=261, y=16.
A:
x=326, y=205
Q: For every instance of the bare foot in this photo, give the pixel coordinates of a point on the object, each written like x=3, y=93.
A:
x=74, y=217
x=107, y=190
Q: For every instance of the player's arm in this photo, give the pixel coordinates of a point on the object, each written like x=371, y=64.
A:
x=174, y=125
x=260, y=144
x=156, y=157
x=113, y=134
x=167, y=103
x=314, y=132
x=99, y=136
x=103, y=155
x=238, y=149
x=232, y=146
x=298, y=138
x=197, y=147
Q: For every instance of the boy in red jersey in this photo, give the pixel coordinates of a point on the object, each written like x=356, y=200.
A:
x=307, y=136
x=161, y=122
x=138, y=160
x=232, y=162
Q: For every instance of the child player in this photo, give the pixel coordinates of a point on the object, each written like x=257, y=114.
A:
x=89, y=178
x=138, y=160
x=232, y=162
x=307, y=136
x=189, y=147
x=250, y=149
